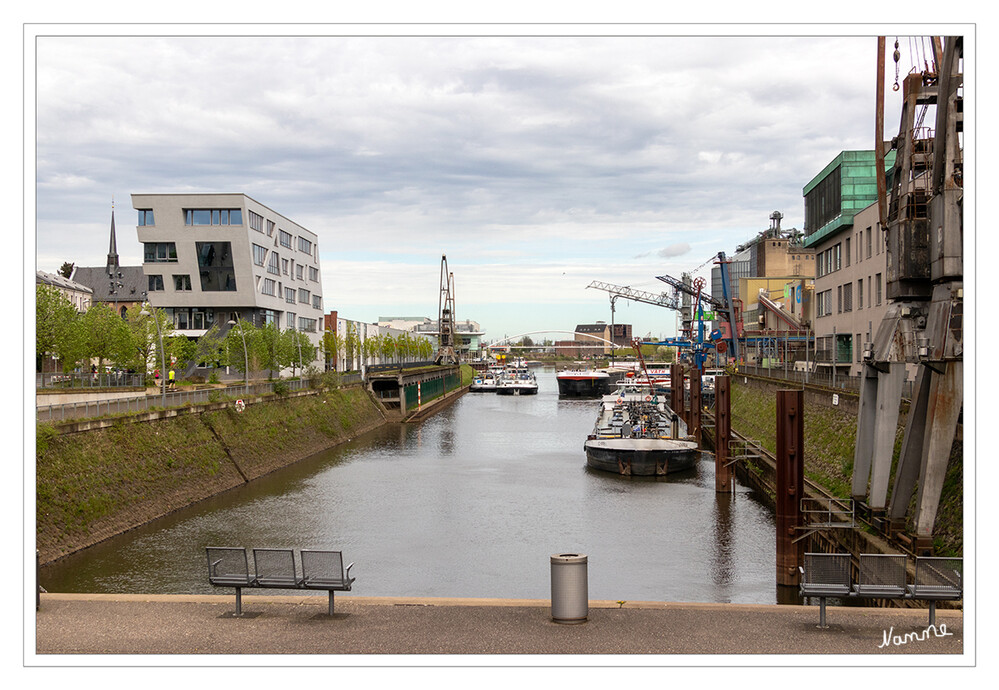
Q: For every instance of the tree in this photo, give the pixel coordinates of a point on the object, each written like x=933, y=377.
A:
x=107, y=336
x=273, y=351
x=57, y=328
x=145, y=337
x=66, y=270
x=233, y=352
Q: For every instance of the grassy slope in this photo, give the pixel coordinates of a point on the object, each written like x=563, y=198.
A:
x=830, y=434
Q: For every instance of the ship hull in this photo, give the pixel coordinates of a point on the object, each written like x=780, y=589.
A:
x=641, y=457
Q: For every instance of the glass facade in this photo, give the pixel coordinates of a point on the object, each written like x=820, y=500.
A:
x=215, y=266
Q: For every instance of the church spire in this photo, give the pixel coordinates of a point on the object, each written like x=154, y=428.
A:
x=113, y=249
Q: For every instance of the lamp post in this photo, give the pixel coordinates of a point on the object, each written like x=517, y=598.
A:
x=159, y=335
x=246, y=358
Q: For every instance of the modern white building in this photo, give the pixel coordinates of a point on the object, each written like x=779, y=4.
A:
x=212, y=258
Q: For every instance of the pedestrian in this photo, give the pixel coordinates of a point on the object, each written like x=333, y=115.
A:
x=172, y=382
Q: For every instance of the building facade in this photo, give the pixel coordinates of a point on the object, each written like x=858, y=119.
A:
x=851, y=260
x=79, y=295
x=212, y=258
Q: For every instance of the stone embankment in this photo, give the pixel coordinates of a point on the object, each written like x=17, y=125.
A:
x=92, y=485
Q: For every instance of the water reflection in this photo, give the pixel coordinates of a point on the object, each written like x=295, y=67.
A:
x=470, y=503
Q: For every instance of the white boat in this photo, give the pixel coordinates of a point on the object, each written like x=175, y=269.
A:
x=517, y=381
x=485, y=382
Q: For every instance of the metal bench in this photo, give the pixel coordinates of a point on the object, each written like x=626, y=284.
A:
x=881, y=576
x=825, y=575
x=228, y=567
x=937, y=579
x=275, y=569
x=324, y=570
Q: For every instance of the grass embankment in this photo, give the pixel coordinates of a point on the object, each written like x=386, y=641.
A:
x=95, y=484
x=830, y=435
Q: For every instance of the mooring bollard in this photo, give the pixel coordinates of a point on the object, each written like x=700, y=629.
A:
x=570, y=602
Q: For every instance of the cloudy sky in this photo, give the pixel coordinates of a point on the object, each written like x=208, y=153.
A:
x=536, y=164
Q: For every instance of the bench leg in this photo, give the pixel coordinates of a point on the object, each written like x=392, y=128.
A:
x=331, y=602
x=933, y=612
x=822, y=612
x=239, y=601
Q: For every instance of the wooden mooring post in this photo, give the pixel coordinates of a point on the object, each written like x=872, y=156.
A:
x=790, y=483
x=676, y=390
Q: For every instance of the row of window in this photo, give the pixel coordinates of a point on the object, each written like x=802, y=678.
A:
x=199, y=318
x=278, y=266
x=830, y=260
x=231, y=216
x=844, y=296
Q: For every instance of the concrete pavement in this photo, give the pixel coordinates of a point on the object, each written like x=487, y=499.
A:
x=69, y=624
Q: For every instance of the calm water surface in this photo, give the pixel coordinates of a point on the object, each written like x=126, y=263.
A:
x=470, y=503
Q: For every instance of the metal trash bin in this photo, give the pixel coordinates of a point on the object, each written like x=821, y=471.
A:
x=570, y=603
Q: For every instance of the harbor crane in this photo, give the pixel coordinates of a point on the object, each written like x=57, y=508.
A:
x=679, y=299
x=922, y=216
x=446, y=353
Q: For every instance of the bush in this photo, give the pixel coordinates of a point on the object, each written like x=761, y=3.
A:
x=280, y=388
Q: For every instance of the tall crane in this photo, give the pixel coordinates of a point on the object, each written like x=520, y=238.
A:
x=446, y=354
x=923, y=219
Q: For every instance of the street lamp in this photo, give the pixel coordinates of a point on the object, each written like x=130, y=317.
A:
x=246, y=358
x=159, y=335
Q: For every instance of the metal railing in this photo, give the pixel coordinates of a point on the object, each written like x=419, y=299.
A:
x=178, y=398
x=59, y=381
x=843, y=381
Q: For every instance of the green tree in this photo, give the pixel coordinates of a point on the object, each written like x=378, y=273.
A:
x=273, y=351
x=233, y=352
x=66, y=270
x=145, y=337
x=57, y=328
x=107, y=336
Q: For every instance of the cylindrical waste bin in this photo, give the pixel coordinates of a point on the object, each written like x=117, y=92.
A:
x=569, y=589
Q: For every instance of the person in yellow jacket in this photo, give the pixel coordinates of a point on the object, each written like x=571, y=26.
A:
x=172, y=379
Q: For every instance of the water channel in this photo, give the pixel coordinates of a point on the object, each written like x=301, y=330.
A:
x=470, y=503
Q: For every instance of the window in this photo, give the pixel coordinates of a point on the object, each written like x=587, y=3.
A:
x=303, y=296
x=270, y=228
x=213, y=216
x=272, y=265
x=317, y=301
x=869, y=293
x=160, y=252
x=313, y=274
x=155, y=283
x=856, y=343
x=146, y=217
x=284, y=238
x=836, y=257
x=215, y=264
x=848, y=297
x=269, y=316
x=298, y=272
x=307, y=325
x=289, y=295
x=259, y=253
x=823, y=304
x=290, y=320
x=304, y=245
x=877, y=289
x=284, y=266
x=868, y=243
x=256, y=221
x=268, y=287
x=846, y=251
x=839, y=299
x=860, y=294
x=182, y=283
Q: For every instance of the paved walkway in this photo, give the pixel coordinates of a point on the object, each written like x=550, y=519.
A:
x=204, y=624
